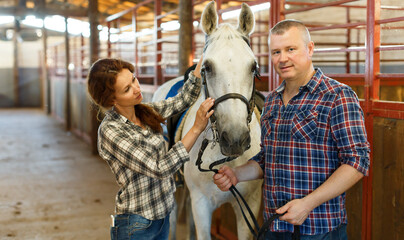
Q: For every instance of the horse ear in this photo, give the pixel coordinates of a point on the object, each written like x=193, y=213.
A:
x=246, y=20
x=209, y=18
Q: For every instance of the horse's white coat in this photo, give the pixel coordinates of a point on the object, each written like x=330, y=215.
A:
x=232, y=60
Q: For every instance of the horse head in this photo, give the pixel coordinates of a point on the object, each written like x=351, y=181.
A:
x=228, y=70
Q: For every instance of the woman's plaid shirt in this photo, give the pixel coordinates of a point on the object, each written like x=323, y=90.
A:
x=139, y=159
x=303, y=143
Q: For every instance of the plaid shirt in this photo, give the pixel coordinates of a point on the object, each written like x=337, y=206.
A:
x=303, y=143
x=139, y=159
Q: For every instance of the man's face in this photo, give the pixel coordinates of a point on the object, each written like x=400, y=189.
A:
x=290, y=55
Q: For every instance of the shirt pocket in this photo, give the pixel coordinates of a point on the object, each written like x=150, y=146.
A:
x=266, y=124
x=304, y=125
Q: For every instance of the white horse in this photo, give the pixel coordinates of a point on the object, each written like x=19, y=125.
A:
x=228, y=66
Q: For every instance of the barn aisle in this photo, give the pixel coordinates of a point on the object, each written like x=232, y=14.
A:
x=51, y=186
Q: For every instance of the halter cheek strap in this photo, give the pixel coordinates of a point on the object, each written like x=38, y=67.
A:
x=249, y=103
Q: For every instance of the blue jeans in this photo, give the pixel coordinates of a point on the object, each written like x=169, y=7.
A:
x=337, y=234
x=132, y=226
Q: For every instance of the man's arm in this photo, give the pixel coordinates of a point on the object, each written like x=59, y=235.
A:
x=339, y=182
x=228, y=176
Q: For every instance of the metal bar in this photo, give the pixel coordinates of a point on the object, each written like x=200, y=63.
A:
x=120, y=14
x=329, y=50
x=276, y=13
x=388, y=105
x=346, y=6
x=372, y=86
x=239, y=6
x=388, y=113
x=348, y=43
x=390, y=48
x=167, y=13
x=390, y=20
x=399, y=76
x=330, y=4
x=335, y=26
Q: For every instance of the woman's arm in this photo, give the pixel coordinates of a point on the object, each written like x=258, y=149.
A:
x=184, y=99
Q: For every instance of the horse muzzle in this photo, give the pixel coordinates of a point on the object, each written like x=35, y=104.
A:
x=233, y=144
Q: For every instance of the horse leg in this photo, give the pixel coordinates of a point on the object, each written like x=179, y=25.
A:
x=254, y=202
x=173, y=221
x=202, y=210
x=190, y=219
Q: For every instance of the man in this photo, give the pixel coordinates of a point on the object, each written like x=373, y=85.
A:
x=313, y=143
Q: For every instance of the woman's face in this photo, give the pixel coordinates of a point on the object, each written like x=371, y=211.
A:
x=127, y=89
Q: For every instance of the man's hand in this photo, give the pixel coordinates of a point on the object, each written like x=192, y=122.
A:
x=296, y=212
x=225, y=178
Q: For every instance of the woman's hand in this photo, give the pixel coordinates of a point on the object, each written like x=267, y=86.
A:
x=201, y=120
x=197, y=71
x=203, y=114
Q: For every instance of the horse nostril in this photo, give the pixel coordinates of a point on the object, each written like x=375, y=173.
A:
x=225, y=139
x=245, y=140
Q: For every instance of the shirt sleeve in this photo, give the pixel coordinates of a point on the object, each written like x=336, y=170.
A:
x=137, y=154
x=182, y=100
x=259, y=158
x=348, y=130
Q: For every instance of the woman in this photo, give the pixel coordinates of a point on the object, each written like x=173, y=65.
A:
x=130, y=139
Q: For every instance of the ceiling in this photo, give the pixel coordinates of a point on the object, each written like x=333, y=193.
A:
x=78, y=8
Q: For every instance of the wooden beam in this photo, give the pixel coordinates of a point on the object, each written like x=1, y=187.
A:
x=68, y=97
x=22, y=11
x=158, y=76
x=15, y=65
x=185, y=36
x=94, y=55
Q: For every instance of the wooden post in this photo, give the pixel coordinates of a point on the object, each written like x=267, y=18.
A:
x=67, y=61
x=135, y=42
x=94, y=35
x=46, y=79
x=94, y=54
x=185, y=36
x=158, y=76
x=15, y=65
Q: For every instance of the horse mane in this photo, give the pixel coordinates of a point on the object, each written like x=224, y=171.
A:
x=225, y=31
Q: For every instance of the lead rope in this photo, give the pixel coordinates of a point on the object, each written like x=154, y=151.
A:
x=258, y=234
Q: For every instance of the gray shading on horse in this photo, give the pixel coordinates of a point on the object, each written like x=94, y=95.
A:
x=229, y=67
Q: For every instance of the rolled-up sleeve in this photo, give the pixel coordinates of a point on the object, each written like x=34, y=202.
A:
x=348, y=130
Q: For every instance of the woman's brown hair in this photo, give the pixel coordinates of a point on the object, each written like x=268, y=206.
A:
x=100, y=83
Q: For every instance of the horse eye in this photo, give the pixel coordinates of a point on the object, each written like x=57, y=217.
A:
x=207, y=68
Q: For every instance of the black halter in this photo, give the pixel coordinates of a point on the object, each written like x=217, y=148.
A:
x=249, y=103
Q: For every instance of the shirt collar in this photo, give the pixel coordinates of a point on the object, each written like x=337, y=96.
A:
x=112, y=114
x=312, y=85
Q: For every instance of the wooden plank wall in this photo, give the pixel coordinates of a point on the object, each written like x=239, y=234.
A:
x=388, y=179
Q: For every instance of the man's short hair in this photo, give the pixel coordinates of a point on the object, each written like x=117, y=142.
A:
x=281, y=27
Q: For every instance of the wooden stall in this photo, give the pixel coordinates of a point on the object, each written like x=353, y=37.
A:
x=359, y=43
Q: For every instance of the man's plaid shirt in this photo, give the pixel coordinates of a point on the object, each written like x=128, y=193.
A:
x=303, y=143
x=139, y=159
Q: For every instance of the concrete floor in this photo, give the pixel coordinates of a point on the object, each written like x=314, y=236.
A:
x=51, y=186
